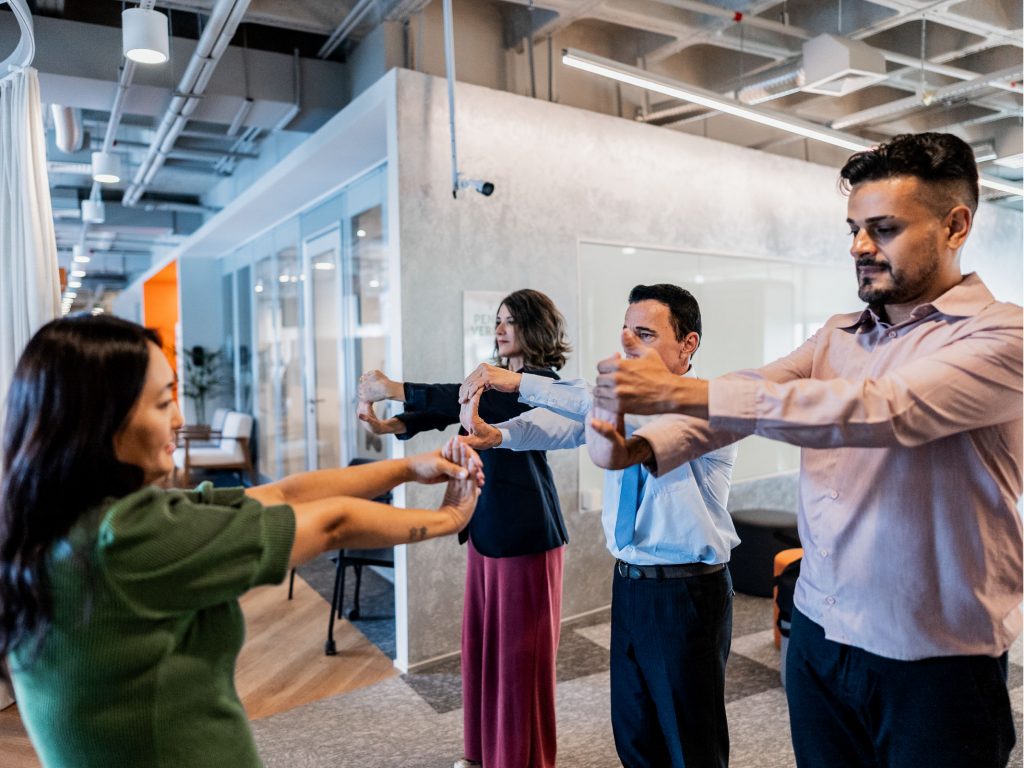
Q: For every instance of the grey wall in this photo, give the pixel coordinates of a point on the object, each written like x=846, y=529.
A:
x=564, y=175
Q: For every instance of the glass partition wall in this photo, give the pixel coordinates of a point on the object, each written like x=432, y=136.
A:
x=753, y=310
x=308, y=299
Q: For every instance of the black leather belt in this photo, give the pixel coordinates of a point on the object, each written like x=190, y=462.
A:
x=682, y=571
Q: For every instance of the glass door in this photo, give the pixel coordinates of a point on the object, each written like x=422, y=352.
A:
x=324, y=417
x=364, y=298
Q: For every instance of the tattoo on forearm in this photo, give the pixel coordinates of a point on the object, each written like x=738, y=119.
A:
x=417, y=534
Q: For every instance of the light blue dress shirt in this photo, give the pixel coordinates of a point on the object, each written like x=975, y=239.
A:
x=682, y=517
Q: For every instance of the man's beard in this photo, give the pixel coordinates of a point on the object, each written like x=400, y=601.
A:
x=903, y=286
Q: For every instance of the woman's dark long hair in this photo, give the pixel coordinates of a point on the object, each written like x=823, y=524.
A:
x=73, y=388
x=540, y=330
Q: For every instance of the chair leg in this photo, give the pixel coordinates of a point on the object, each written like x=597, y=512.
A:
x=291, y=584
x=341, y=588
x=353, y=615
x=330, y=649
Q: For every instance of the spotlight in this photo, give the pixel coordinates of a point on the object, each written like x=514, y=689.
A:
x=144, y=35
x=106, y=167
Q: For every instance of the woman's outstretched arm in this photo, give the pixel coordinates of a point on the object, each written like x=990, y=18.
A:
x=332, y=511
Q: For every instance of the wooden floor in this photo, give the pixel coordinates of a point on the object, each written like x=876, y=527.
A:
x=282, y=664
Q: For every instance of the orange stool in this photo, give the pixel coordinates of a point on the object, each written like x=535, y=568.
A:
x=782, y=559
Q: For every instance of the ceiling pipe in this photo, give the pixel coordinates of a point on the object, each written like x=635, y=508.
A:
x=892, y=109
x=344, y=29
x=67, y=127
x=224, y=19
x=705, y=9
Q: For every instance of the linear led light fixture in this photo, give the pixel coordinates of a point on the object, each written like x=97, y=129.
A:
x=624, y=73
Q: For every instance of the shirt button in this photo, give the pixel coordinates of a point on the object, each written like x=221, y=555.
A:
x=834, y=494
x=893, y=334
x=830, y=600
x=823, y=552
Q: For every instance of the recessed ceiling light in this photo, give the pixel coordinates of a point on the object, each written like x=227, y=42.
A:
x=360, y=233
x=78, y=273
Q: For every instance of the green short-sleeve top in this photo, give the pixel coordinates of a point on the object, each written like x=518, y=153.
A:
x=137, y=668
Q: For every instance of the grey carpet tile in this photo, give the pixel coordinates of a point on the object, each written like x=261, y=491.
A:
x=440, y=685
x=759, y=647
x=601, y=634
x=578, y=656
x=745, y=677
x=759, y=730
x=750, y=614
x=383, y=725
x=602, y=616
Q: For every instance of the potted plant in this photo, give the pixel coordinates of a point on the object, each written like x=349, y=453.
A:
x=205, y=376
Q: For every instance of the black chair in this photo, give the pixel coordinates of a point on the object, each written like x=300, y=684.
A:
x=357, y=558
x=763, y=534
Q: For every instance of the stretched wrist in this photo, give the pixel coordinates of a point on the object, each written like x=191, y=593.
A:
x=395, y=390
x=640, y=452
x=690, y=397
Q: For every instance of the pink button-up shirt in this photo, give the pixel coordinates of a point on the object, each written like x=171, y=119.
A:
x=910, y=471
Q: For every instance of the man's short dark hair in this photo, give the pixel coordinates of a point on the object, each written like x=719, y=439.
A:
x=944, y=161
x=682, y=307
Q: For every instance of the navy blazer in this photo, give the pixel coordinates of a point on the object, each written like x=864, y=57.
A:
x=518, y=511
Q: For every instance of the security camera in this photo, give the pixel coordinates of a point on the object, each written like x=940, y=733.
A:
x=485, y=188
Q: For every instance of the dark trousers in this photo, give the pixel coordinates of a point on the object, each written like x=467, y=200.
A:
x=670, y=642
x=848, y=707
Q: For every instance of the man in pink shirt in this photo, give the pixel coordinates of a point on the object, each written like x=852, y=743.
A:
x=910, y=417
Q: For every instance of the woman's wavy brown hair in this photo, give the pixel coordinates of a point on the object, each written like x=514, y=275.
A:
x=540, y=330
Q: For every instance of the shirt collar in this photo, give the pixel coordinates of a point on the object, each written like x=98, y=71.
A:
x=965, y=299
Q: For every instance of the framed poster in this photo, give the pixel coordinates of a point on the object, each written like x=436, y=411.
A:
x=478, y=311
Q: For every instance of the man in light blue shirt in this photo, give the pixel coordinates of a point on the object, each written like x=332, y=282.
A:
x=671, y=536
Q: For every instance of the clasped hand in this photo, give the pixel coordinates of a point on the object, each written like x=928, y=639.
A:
x=486, y=376
x=640, y=383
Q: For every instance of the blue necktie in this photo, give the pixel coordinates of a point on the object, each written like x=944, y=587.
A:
x=629, y=495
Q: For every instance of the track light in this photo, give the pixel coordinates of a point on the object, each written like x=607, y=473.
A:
x=106, y=167
x=624, y=73
x=144, y=35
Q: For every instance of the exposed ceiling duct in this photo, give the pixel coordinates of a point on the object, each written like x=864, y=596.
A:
x=836, y=66
x=67, y=128
x=220, y=28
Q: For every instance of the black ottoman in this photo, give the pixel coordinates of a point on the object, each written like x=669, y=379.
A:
x=763, y=533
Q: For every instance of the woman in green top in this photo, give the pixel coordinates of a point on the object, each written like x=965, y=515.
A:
x=119, y=612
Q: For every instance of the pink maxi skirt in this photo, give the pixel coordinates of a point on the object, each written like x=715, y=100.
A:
x=510, y=628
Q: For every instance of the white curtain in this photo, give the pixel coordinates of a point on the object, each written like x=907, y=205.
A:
x=29, y=278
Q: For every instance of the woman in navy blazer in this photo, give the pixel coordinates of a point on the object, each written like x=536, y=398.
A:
x=512, y=611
